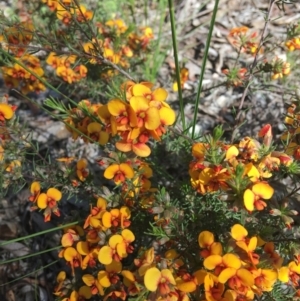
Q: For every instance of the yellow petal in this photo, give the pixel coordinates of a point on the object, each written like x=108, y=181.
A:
x=122, y=249
x=294, y=267
x=139, y=103
x=54, y=194
x=200, y=276
x=205, y=239
x=160, y=94
x=88, y=279
x=167, y=274
x=115, y=267
x=105, y=255
x=152, y=278
x=249, y=199
x=67, y=240
x=106, y=219
x=70, y=253
x=85, y=291
x=128, y=235
x=186, y=287
x=167, y=116
x=152, y=120
x=246, y=277
x=141, y=149
x=264, y=190
x=61, y=276
x=42, y=201
x=238, y=232
x=116, y=107
x=232, y=152
x=35, y=187
x=212, y=261
x=94, y=127
x=232, y=261
x=227, y=274
x=124, y=146
x=111, y=170
x=104, y=279
x=129, y=275
x=115, y=239
x=81, y=164
x=82, y=247
x=6, y=111
x=216, y=248
x=283, y=274
x=127, y=170
x=140, y=90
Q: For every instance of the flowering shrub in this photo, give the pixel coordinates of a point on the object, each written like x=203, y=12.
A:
x=200, y=238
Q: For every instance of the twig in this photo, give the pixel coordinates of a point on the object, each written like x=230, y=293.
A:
x=261, y=42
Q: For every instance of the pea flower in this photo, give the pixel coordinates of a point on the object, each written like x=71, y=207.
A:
x=253, y=198
x=48, y=201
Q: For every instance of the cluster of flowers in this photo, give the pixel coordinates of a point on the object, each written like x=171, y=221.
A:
x=110, y=31
x=47, y=201
x=142, y=113
x=131, y=44
x=240, y=171
x=67, y=11
x=248, y=44
x=64, y=66
x=15, y=40
x=250, y=267
x=6, y=114
x=16, y=76
x=104, y=239
x=292, y=121
x=293, y=42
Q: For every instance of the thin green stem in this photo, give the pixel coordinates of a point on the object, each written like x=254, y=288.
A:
x=28, y=274
x=174, y=41
x=205, y=58
x=38, y=234
x=30, y=255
